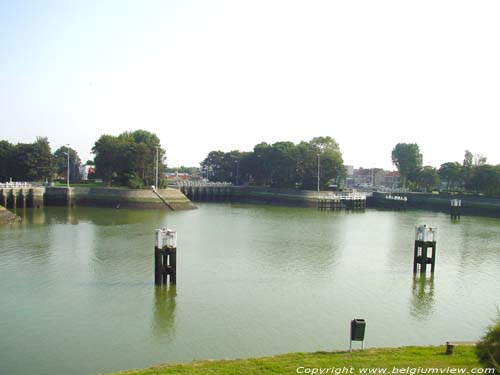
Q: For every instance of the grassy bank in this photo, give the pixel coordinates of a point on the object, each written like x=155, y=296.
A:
x=403, y=359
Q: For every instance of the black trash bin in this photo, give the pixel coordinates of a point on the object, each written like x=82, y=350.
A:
x=358, y=329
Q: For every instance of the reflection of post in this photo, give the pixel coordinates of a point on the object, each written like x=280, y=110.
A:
x=422, y=295
x=164, y=310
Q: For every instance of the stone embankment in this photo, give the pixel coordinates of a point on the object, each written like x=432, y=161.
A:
x=7, y=217
x=116, y=198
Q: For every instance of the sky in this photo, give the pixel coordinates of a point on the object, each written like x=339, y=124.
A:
x=227, y=75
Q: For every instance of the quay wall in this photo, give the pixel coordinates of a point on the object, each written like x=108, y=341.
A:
x=252, y=194
x=115, y=198
x=471, y=204
x=287, y=197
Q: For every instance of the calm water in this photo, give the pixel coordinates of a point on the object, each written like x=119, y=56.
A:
x=77, y=292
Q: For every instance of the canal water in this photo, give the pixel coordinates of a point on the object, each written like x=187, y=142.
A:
x=77, y=294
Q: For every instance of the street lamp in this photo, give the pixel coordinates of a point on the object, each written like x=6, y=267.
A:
x=67, y=180
x=318, y=173
x=157, y=162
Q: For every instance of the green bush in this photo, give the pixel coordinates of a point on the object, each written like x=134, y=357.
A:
x=488, y=349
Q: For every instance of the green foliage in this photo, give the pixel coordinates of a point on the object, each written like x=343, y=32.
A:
x=488, y=348
x=408, y=159
x=386, y=358
x=282, y=164
x=129, y=157
x=61, y=162
x=484, y=179
x=193, y=171
x=428, y=178
x=26, y=161
x=452, y=174
x=6, y=160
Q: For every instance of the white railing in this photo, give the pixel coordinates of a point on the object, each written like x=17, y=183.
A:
x=203, y=184
x=15, y=185
x=342, y=196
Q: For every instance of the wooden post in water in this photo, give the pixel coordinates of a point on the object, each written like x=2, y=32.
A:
x=165, y=256
x=425, y=239
x=455, y=206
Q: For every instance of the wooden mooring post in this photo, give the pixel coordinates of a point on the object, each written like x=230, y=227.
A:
x=425, y=239
x=455, y=208
x=165, y=256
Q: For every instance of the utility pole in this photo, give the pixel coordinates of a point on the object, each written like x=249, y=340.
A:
x=67, y=180
x=157, y=163
x=318, y=173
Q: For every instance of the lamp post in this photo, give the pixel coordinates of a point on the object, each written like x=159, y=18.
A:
x=157, y=162
x=67, y=180
x=318, y=173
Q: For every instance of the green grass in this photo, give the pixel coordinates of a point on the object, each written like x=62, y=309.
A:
x=390, y=358
x=90, y=184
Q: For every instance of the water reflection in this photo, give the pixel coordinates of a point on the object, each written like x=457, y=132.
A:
x=422, y=302
x=164, y=311
x=98, y=216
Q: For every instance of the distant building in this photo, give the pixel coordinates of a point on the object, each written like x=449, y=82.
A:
x=85, y=170
x=178, y=176
x=372, y=177
x=392, y=179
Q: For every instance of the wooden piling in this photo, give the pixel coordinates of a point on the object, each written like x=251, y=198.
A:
x=421, y=258
x=165, y=254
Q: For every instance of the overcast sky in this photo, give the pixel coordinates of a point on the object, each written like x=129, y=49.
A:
x=209, y=75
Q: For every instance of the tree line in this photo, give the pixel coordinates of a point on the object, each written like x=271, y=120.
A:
x=281, y=164
x=472, y=175
x=128, y=159
x=35, y=161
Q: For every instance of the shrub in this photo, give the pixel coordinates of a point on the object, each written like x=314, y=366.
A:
x=488, y=348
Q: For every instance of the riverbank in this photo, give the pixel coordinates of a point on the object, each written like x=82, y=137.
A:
x=7, y=217
x=404, y=359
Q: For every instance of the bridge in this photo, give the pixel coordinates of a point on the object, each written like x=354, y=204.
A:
x=20, y=194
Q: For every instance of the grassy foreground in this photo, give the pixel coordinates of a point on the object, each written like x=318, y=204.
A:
x=405, y=360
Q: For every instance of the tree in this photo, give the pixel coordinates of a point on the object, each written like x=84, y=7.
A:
x=408, y=160
x=488, y=348
x=212, y=167
x=451, y=172
x=130, y=158
x=61, y=162
x=331, y=162
x=428, y=178
x=485, y=179
x=6, y=161
x=471, y=161
x=282, y=164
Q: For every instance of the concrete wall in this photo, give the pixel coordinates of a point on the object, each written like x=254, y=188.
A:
x=289, y=197
x=112, y=197
x=471, y=205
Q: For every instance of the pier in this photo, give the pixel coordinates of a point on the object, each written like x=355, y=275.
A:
x=15, y=195
x=425, y=239
x=340, y=201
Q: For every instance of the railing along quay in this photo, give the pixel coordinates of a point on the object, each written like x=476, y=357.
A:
x=341, y=200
